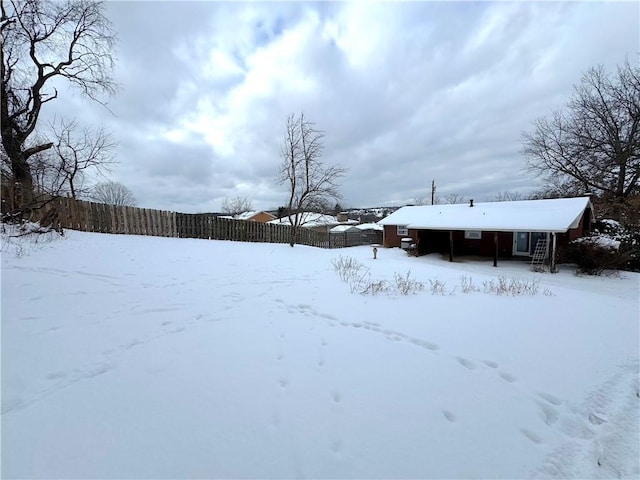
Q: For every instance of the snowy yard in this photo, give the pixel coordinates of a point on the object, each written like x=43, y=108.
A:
x=142, y=357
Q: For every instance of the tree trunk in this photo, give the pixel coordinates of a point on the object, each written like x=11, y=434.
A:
x=23, y=185
x=22, y=178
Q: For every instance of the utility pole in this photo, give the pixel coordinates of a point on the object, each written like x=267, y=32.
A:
x=433, y=191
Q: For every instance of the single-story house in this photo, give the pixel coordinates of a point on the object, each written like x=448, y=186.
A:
x=370, y=227
x=498, y=229
x=344, y=229
x=260, y=217
x=315, y=221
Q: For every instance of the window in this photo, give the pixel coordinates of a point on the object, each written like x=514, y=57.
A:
x=402, y=230
x=473, y=234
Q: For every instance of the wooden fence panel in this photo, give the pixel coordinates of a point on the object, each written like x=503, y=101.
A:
x=157, y=230
x=94, y=217
x=137, y=224
x=125, y=220
x=112, y=217
x=165, y=224
x=151, y=214
x=133, y=225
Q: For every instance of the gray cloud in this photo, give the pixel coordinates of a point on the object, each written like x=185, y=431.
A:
x=406, y=92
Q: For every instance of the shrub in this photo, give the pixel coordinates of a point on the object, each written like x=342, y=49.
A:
x=611, y=246
x=437, y=287
x=466, y=283
x=406, y=285
x=347, y=267
x=513, y=286
x=25, y=237
x=374, y=287
x=591, y=256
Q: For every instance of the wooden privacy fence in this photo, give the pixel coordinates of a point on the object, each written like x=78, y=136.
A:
x=353, y=239
x=62, y=212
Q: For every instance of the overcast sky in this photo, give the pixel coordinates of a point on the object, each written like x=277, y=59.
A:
x=406, y=93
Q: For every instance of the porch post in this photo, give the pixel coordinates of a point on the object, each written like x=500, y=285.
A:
x=495, y=253
x=451, y=245
x=552, y=262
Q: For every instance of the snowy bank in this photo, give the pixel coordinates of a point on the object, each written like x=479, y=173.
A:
x=143, y=357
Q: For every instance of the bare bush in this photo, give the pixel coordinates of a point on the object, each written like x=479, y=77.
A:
x=375, y=287
x=466, y=284
x=512, y=286
x=437, y=287
x=24, y=237
x=346, y=267
x=406, y=285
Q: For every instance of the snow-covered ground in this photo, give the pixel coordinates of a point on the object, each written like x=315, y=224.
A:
x=142, y=357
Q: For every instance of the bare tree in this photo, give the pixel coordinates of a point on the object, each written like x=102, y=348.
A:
x=113, y=193
x=310, y=183
x=79, y=151
x=509, y=196
x=236, y=205
x=594, y=144
x=76, y=153
x=448, y=199
x=44, y=42
x=453, y=198
x=423, y=200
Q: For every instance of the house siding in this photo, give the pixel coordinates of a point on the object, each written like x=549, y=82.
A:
x=262, y=217
x=437, y=241
x=392, y=239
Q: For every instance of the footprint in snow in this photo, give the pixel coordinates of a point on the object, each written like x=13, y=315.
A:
x=466, y=363
x=449, y=416
x=336, y=446
x=533, y=436
x=507, y=376
x=550, y=398
x=549, y=413
x=597, y=418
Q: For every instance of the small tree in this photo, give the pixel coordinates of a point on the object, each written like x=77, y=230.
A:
x=236, y=205
x=453, y=198
x=113, y=193
x=423, y=200
x=594, y=144
x=77, y=152
x=508, y=196
x=310, y=183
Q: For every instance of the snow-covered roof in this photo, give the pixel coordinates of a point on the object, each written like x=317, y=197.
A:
x=245, y=215
x=249, y=215
x=369, y=226
x=551, y=215
x=344, y=228
x=310, y=219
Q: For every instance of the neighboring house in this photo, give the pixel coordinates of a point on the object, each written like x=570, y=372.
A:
x=505, y=229
x=260, y=217
x=370, y=227
x=354, y=235
x=315, y=221
x=344, y=229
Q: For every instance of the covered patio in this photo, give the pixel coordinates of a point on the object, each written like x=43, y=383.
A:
x=530, y=229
